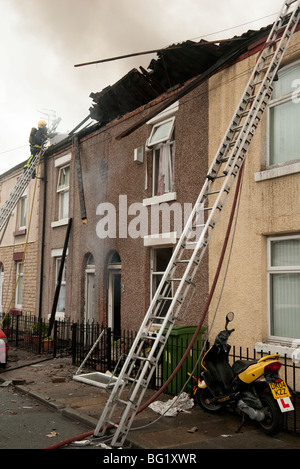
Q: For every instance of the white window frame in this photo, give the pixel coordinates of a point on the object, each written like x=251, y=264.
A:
x=170, y=189
x=278, y=269
x=279, y=169
x=89, y=313
x=62, y=285
x=166, y=138
x=289, y=166
x=153, y=268
x=168, y=115
x=63, y=193
x=1, y=285
x=22, y=211
x=19, y=286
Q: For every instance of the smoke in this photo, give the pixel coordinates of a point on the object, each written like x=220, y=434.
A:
x=42, y=40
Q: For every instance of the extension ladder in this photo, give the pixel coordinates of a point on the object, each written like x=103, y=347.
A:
x=175, y=291
x=22, y=183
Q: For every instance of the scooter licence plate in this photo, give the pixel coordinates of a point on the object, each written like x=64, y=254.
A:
x=279, y=390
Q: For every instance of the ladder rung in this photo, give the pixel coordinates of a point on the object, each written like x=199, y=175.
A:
x=233, y=152
x=212, y=193
x=152, y=361
x=114, y=424
x=122, y=401
x=153, y=336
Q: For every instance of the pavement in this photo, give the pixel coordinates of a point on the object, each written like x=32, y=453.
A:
x=51, y=381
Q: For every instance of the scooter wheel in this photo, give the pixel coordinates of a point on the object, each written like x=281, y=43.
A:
x=273, y=421
x=205, y=400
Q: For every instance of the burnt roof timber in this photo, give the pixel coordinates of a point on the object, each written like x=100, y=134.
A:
x=230, y=56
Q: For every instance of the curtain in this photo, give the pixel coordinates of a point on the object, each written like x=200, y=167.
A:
x=284, y=117
x=285, y=305
x=284, y=132
x=165, y=182
x=285, y=288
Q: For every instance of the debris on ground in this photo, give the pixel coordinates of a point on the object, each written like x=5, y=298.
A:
x=170, y=408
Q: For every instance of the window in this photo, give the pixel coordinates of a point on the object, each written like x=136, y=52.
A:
x=284, y=287
x=160, y=259
x=61, y=304
x=19, y=288
x=284, y=115
x=89, y=289
x=161, y=132
x=63, y=192
x=162, y=142
x=163, y=169
x=22, y=211
x=1, y=286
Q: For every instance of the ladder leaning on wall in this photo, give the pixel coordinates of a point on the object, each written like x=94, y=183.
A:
x=23, y=182
x=176, y=287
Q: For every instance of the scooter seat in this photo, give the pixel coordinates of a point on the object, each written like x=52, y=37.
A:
x=242, y=365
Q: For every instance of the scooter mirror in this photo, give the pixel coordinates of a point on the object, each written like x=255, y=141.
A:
x=229, y=317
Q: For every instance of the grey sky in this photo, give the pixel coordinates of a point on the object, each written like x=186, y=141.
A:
x=42, y=40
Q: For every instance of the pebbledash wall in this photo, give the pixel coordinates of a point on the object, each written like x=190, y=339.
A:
x=119, y=197
x=20, y=235
x=269, y=212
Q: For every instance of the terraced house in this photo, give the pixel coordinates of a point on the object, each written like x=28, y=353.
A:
x=128, y=176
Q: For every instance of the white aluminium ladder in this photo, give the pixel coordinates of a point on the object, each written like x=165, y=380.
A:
x=22, y=183
x=172, y=297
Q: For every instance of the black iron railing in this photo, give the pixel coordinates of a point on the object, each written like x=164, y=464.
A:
x=79, y=340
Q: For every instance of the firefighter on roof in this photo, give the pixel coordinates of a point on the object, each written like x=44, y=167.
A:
x=37, y=138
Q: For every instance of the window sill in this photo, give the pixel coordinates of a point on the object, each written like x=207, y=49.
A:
x=20, y=232
x=159, y=199
x=59, y=316
x=272, y=348
x=62, y=222
x=160, y=239
x=277, y=171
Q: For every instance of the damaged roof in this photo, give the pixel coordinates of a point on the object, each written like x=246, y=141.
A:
x=174, y=66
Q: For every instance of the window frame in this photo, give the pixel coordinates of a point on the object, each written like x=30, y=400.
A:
x=272, y=104
x=154, y=273
x=88, y=300
x=62, y=191
x=151, y=144
x=155, y=180
x=63, y=283
x=22, y=208
x=19, y=285
x=271, y=270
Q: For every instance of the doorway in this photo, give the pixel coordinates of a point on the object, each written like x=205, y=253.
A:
x=89, y=293
x=114, y=295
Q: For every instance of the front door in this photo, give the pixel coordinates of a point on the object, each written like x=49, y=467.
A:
x=114, y=300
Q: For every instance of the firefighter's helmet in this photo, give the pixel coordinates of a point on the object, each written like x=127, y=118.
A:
x=42, y=124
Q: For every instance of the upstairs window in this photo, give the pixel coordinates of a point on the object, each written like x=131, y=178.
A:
x=63, y=192
x=22, y=211
x=284, y=116
x=162, y=141
x=161, y=132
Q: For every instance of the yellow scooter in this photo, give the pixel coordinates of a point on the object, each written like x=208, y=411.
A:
x=253, y=388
